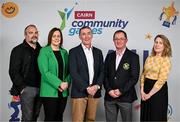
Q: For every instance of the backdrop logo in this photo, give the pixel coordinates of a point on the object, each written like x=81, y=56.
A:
x=14, y=105
x=84, y=14
x=169, y=112
x=88, y=18
x=170, y=13
x=97, y=26
x=65, y=16
x=9, y=9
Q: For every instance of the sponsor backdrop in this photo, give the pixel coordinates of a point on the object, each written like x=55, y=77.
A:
x=141, y=19
x=1, y=52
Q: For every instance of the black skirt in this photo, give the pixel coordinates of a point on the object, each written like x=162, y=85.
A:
x=155, y=108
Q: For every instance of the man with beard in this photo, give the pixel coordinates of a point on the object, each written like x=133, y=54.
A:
x=25, y=75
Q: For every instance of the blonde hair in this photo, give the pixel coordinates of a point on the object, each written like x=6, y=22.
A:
x=167, y=52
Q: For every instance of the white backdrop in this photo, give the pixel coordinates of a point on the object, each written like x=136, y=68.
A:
x=1, y=68
x=138, y=18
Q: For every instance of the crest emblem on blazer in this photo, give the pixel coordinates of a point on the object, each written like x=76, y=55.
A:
x=126, y=66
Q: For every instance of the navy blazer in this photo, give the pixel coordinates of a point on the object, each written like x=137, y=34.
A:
x=79, y=71
x=124, y=78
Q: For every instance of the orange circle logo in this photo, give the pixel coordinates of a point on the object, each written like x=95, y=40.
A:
x=9, y=9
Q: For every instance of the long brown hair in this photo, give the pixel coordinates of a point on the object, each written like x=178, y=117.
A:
x=51, y=32
x=167, y=52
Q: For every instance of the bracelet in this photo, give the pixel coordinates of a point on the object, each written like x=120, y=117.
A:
x=60, y=88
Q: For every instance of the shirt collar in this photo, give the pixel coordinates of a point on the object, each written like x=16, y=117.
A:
x=85, y=48
x=120, y=53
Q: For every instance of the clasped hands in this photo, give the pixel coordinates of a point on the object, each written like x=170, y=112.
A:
x=145, y=96
x=91, y=90
x=63, y=86
x=115, y=93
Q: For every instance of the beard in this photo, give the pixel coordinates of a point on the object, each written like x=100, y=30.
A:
x=34, y=41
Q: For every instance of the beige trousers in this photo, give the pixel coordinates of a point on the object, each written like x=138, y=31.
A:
x=84, y=109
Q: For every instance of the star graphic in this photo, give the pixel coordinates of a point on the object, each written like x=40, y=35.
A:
x=148, y=36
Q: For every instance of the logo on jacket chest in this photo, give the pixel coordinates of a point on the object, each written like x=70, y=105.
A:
x=126, y=66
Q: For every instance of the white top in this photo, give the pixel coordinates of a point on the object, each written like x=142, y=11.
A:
x=90, y=62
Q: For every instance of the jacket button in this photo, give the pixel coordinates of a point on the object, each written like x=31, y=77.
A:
x=115, y=78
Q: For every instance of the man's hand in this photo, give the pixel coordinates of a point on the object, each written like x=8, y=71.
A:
x=113, y=93
x=92, y=90
x=117, y=92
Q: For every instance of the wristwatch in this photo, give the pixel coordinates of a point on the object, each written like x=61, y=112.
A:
x=98, y=87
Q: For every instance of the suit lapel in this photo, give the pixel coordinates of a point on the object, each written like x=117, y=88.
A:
x=112, y=62
x=95, y=58
x=53, y=57
x=64, y=62
x=83, y=57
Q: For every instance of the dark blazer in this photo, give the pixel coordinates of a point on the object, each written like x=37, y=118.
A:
x=124, y=78
x=79, y=71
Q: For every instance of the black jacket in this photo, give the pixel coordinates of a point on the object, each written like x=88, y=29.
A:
x=20, y=60
x=124, y=78
x=79, y=71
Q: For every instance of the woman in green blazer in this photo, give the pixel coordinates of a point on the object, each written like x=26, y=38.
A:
x=55, y=79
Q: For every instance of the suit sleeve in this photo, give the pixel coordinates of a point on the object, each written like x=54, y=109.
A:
x=51, y=78
x=142, y=77
x=73, y=68
x=106, y=75
x=101, y=70
x=15, y=67
x=134, y=74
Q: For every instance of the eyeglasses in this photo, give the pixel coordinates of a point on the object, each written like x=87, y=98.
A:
x=121, y=39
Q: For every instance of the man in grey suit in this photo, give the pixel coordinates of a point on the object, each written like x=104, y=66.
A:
x=121, y=76
x=86, y=70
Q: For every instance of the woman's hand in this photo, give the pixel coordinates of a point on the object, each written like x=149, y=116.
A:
x=63, y=86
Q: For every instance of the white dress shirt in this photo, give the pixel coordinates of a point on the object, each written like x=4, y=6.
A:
x=90, y=62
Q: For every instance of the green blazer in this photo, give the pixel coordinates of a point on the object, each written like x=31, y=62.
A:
x=48, y=67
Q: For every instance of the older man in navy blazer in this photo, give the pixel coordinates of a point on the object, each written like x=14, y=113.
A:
x=86, y=70
x=121, y=76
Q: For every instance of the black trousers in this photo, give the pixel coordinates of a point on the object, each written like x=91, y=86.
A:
x=155, y=109
x=54, y=107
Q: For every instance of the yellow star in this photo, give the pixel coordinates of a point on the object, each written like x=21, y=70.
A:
x=148, y=36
